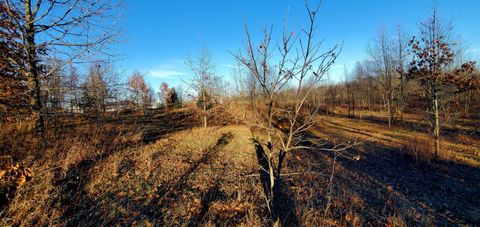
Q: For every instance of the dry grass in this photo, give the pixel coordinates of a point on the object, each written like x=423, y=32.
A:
x=82, y=184
x=398, y=137
x=16, y=138
x=196, y=176
x=420, y=150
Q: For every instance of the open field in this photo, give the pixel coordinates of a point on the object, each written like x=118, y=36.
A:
x=239, y=113
x=461, y=142
x=195, y=176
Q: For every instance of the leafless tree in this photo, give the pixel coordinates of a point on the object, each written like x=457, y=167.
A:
x=94, y=91
x=382, y=54
x=100, y=90
x=204, y=81
x=351, y=91
x=300, y=68
x=72, y=89
x=68, y=29
x=53, y=88
x=401, y=49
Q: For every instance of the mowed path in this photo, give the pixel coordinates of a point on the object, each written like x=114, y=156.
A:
x=191, y=177
x=460, y=148
x=385, y=186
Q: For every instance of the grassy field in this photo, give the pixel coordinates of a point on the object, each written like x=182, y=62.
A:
x=168, y=171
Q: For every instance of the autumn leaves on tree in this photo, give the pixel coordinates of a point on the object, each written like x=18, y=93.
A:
x=431, y=68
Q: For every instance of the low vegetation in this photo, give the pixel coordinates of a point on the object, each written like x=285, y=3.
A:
x=394, y=144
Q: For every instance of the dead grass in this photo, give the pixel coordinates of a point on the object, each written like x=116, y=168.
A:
x=420, y=150
x=16, y=138
x=82, y=183
x=338, y=128
x=196, y=176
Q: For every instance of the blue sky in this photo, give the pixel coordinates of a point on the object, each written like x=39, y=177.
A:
x=158, y=35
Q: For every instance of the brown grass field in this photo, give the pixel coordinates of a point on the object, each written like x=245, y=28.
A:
x=165, y=170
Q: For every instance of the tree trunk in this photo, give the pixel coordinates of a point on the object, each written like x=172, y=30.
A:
x=401, y=97
x=204, y=110
x=32, y=74
x=270, y=146
x=389, y=112
x=353, y=105
x=270, y=125
x=468, y=98
x=436, y=126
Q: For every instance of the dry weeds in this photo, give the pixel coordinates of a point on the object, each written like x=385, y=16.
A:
x=195, y=176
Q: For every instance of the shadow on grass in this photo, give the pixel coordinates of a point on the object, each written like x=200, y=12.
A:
x=82, y=208
x=391, y=183
x=163, y=123
x=173, y=190
x=212, y=195
x=446, y=131
x=283, y=202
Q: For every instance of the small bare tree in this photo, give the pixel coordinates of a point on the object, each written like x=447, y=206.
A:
x=351, y=91
x=400, y=49
x=300, y=68
x=94, y=91
x=382, y=54
x=204, y=81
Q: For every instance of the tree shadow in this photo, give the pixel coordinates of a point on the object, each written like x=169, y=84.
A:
x=171, y=121
x=391, y=183
x=172, y=190
x=212, y=195
x=283, y=204
x=82, y=208
x=447, y=131
x=73, y=184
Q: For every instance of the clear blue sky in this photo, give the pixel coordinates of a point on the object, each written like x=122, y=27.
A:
x=158, y=35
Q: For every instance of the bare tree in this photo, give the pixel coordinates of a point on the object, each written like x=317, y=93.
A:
x=94, y=91
x=350, y=89
x=381, y=53
x=163, y=94
x=70, y=29
x=401, y=48
x=300, y=68
x=239, y=74
x=72, y=88
x=204, y=81
x=53, y=88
